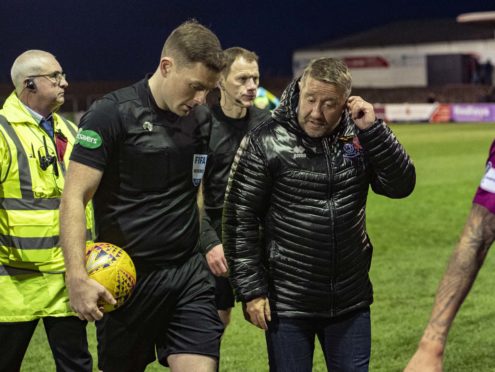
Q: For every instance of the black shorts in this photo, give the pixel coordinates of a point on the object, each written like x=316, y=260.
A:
x=172, y=310
x=224, y=294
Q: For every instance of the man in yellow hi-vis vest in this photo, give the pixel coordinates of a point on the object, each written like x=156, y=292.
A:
x=35, y=144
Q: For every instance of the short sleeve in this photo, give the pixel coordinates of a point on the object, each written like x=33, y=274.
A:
x=485, y=194
x=99, y=132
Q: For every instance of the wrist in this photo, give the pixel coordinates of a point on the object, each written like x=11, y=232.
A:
x=254, y=296
x=433, y=343
x=212, y=245
x=370, y=125
x=75, y=276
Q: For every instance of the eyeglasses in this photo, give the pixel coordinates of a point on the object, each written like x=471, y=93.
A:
x=55, y=77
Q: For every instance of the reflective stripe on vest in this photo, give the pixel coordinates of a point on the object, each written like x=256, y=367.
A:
x=46, y=242
x=69, y=127
x=25, y=180
x=14, y=271
x=29, y=204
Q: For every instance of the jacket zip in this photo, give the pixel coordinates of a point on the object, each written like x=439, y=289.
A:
x=331, y=206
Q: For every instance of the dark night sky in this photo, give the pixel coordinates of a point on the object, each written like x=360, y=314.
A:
x=122, y=40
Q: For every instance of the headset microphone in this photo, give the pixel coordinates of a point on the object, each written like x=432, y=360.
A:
x=30, y=84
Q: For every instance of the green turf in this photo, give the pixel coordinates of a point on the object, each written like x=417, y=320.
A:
x=412, y=240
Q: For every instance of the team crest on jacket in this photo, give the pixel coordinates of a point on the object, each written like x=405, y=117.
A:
x=198, y=168
x=353, y=148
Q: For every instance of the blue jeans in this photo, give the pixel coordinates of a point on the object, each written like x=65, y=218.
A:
x=345, y=340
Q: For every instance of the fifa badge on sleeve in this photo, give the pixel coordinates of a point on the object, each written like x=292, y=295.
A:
x=198, y=168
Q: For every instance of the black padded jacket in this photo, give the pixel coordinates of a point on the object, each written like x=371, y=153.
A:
x=310, y=197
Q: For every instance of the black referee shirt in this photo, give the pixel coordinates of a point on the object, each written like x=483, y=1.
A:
x=153, y=161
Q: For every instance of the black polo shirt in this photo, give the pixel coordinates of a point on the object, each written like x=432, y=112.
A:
x=153, y=161
x=226, y=135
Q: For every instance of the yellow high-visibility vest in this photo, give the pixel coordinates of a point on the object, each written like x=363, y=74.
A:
x=32, y=282
x=30, y=191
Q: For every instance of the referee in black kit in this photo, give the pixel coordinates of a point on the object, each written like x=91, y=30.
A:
x=140, y=155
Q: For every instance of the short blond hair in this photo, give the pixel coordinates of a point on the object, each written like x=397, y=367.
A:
x=329, y=70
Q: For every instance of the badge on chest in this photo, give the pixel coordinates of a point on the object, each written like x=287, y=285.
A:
x=198, y=168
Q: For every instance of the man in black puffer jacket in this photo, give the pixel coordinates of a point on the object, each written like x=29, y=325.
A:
x=304, y=176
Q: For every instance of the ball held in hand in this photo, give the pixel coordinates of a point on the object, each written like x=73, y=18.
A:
x=112, y=267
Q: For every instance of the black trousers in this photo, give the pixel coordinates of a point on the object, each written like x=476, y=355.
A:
x=66, y=336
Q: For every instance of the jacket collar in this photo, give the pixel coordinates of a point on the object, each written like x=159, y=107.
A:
x=16, y=112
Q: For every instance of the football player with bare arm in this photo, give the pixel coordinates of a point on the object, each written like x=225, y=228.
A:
x=464, y=265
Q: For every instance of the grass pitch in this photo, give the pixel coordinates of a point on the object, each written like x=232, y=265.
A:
x=413, y=239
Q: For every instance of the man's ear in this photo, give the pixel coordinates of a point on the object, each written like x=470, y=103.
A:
x=166, y=64
x=221, y=82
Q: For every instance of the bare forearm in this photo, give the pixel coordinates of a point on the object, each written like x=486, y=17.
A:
x=462, y=270
x=73, y=236
x=80, y=185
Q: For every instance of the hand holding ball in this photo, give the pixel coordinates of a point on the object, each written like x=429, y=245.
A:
x=112, y=267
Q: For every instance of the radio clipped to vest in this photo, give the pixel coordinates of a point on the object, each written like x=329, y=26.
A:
x=47, y=159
